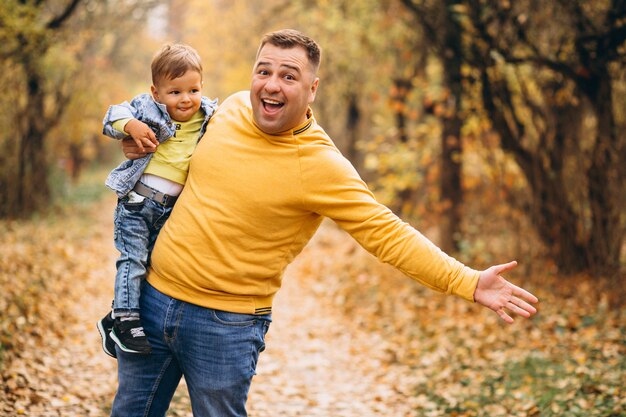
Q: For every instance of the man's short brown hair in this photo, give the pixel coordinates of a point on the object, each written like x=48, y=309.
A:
x=173, y=61
x=291, y=38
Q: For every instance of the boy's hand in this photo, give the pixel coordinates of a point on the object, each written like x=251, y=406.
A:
x=144, y=137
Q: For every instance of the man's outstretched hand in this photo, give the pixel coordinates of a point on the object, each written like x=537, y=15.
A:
x=499, y=295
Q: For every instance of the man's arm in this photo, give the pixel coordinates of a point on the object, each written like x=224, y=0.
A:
x=335, y=190
x=499, y=295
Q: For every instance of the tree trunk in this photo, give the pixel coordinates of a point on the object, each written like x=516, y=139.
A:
x=450, y=184
x=582, y=224
x=32, y=183
x=606, y=185
x=30, y=191
x=446, y=38
x=574, y=246
x=399, y=95
x=451, y=146
x=554, y=219
x=353, y=120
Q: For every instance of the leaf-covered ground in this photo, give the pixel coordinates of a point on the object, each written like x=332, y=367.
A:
x=350, y=337
x=451, y=358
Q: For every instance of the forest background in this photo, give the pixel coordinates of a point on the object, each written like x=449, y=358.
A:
x=495, y=127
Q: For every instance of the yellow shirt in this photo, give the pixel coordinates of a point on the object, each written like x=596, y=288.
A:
x=251, y=203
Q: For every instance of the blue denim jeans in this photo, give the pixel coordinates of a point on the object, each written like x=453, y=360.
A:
x=137, y=225
x=214, y=350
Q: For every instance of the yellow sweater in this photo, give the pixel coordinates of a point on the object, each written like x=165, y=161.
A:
x=251, y=203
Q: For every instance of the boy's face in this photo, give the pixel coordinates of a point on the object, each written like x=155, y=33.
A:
x=181, y=96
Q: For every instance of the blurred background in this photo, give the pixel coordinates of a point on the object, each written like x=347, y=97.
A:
x=500, y=124
x=496, y=127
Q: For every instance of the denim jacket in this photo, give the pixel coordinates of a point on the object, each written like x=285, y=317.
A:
x=143, y=107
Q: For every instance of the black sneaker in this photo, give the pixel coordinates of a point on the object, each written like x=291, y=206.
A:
x=105, y=325
x=130, y=337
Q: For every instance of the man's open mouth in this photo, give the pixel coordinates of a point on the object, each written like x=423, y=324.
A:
x=272, y=105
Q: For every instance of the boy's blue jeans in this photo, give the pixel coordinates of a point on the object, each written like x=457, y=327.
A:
x=137, y=225
x=215, y=351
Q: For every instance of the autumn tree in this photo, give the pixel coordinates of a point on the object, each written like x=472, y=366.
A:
x=29, y=29
x=438, y=21
x=549, y=74
x=42, y=47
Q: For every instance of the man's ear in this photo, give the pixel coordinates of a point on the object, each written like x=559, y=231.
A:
x=313, y=90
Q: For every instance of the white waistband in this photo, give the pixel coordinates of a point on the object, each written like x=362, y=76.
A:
x=162, y=184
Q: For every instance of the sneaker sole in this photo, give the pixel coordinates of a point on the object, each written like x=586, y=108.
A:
x=124, y=348
x=103, y=336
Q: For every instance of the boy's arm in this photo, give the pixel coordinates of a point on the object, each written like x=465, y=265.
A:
x=116, y=113
x=122, y=120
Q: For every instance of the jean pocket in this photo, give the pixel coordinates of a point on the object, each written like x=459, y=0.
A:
x=234, y=319
x=133, y=201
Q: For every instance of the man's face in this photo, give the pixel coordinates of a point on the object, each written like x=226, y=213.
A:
x=283, y=86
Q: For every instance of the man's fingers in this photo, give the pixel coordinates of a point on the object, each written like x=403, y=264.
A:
x=517, y=306
x=504, y=316
x=524, y=306
x=518, y=309
x=152, y=137
x=148, y=140
x=139, y=144
x=525, y=295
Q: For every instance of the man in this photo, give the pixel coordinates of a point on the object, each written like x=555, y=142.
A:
x=259, y=184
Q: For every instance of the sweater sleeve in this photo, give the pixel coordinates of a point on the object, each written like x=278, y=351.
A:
x=334, y=189
x=122, y=111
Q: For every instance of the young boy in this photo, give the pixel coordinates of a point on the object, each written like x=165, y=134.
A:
x=175, y=116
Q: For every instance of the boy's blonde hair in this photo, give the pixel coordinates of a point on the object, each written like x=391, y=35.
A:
x=173, y=61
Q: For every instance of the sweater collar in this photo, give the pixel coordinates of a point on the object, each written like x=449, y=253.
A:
x=301, y=128
x=307, y=124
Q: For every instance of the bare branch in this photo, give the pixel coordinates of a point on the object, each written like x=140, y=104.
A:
x=556, y=66
x=60, y=19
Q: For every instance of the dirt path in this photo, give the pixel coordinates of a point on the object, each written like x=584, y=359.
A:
x=318, y=363
x=315, y=364
x=65, y=373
